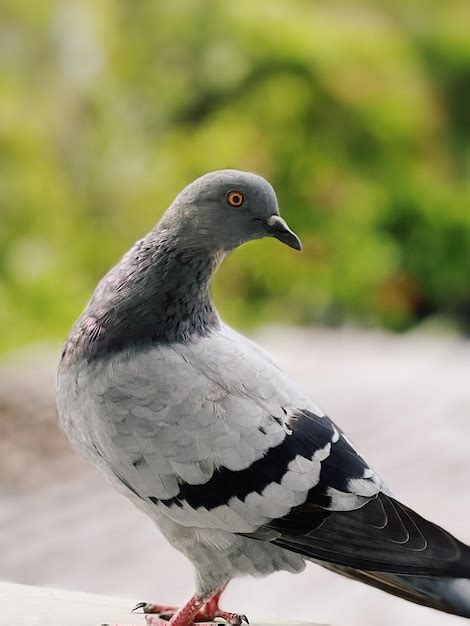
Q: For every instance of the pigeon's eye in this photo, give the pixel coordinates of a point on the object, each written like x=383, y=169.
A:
x=235, y=198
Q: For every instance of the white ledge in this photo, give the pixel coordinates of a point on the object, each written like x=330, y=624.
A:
x=39, y=606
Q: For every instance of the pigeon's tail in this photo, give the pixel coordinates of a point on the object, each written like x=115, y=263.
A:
x=386, y=544
x=451, y=595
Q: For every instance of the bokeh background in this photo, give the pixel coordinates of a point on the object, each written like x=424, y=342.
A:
x=359, y=114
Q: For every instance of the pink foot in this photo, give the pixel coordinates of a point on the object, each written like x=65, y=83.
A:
x=232, y=618
x=202, y=617
x=197, y=612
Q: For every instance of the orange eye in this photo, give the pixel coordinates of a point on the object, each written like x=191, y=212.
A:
x=235, y=198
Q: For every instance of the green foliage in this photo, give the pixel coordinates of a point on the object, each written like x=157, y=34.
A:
x=358, y=114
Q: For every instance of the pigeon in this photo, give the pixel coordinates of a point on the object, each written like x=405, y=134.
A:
x=202, y=431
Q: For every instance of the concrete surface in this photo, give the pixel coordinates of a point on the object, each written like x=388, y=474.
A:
x=405, y=401
x=37, y=606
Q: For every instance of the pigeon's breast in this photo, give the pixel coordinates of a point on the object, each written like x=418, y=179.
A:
x=153, y=419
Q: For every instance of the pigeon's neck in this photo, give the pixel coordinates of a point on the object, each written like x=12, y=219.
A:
x=158, y=293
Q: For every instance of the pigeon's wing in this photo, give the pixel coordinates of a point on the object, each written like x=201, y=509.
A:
x=214, y=436
x=382, y=536
x=344, y=517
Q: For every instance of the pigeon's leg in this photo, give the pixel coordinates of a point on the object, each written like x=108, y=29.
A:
x=211, y=607
x=182, y=617
x=208, y=610
x=211, y=610
x=198, y=611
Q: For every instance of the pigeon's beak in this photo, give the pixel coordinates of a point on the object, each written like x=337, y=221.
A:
x=278, y=228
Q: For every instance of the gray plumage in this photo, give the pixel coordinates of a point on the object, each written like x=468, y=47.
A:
x=199, y=428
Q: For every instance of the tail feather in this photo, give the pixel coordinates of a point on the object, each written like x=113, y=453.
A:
x=382, y=536
x=451, y=595
x=387, y=545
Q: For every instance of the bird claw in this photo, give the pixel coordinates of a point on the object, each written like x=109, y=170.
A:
x=207, y=614
x=154, y=609
x=234, y=619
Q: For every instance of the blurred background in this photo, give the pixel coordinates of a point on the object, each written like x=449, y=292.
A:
x=359, y=114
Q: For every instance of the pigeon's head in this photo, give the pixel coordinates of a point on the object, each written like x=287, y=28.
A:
x=224, y=209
